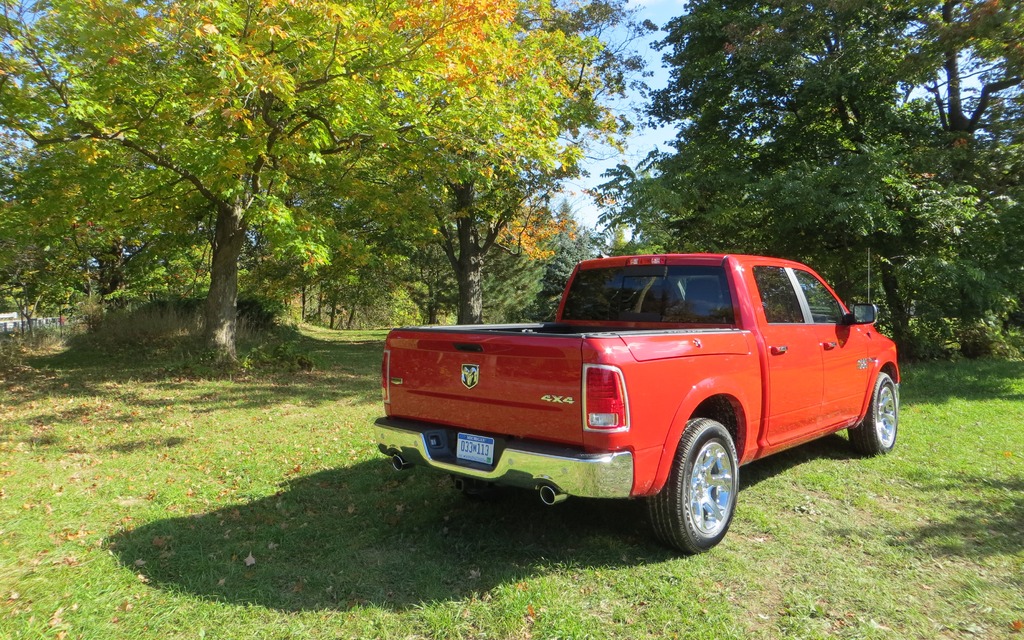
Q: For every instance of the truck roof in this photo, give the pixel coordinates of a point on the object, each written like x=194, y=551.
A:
x=681, y=258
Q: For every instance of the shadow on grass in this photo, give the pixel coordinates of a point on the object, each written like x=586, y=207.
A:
x=365, y=535
x=346, y=371
x=831, y=447
x=988, y=522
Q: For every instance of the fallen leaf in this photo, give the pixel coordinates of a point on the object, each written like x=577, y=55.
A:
x=272, y=546
x=220, y=583
x=250, y=560
x=474, y=574
x=1017, y=626
x=140, y=563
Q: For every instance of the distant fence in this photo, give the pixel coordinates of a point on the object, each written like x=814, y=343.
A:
x=15, y=326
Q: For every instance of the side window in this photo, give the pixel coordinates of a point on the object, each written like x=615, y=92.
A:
x=781, y=306
x=825, y=309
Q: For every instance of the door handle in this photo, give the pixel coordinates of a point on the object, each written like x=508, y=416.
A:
x=778, y=351
x=829, y=345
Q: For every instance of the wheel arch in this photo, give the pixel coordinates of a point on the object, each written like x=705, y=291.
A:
x=887, y=367
x=704, y=401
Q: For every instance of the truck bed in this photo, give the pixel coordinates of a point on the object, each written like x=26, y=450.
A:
x=522, y=380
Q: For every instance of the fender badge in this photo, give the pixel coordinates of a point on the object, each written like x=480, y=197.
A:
x=470, y=375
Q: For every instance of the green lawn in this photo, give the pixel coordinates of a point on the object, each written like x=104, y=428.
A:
x=139, y=503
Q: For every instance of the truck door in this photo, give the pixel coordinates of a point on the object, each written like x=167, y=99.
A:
x=795, y=387
x=844, y=352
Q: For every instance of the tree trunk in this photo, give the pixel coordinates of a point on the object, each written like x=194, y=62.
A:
x=221, y=303
x=431, y=304
x=471, y=285
x=470, y=264
x=899, y=310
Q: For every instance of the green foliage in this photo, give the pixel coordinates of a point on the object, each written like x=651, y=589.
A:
x=830, y=133
x=171, y=142
x=284, y=355
x=511, y=283
x=571, y=245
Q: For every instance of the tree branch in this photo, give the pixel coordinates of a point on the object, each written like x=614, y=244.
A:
x=986, y=97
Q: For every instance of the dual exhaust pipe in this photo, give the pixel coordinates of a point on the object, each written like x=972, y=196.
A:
x=551, y=496
x=399, y=463
x=548, y=494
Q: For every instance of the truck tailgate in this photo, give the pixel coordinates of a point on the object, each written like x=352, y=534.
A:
x=519, y=384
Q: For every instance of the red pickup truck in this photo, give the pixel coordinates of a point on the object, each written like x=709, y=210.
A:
x=660, y=377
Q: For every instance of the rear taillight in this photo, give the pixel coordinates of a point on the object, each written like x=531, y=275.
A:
x=605, y=405
x=385, y=377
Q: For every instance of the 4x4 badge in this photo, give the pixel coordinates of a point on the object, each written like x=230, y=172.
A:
x=470, y=375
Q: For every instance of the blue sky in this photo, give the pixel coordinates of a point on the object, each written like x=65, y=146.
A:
x=643, y=141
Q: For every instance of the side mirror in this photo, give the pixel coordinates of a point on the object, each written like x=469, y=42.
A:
x=861, y=314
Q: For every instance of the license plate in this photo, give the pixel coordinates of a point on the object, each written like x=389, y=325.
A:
x=475, y=448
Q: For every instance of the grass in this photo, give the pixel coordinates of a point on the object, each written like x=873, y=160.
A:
x=136, y=501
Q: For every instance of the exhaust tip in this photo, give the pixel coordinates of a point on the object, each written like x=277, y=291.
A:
x=399, y=463
x=551, y=496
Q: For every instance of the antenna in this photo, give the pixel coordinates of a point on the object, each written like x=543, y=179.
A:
x=869, y=275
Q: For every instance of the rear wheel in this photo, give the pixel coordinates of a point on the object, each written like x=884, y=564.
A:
x=876, y=434
x=695, y=507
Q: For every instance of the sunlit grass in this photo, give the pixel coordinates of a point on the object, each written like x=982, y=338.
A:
x=137, y=500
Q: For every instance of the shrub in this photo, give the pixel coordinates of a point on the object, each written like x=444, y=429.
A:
x=979, y=340
x=286, y=355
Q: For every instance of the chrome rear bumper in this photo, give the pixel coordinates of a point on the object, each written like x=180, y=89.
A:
x=528, y=465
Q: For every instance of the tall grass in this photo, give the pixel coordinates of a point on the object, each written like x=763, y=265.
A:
x=161, y=330
x=16, y=347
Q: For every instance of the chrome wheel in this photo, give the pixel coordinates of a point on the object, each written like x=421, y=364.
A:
x=711, y=489
x=877, y=432
x=692, y=512
x=885, y=415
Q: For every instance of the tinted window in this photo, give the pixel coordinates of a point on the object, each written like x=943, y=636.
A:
x=825, y=309
x=778, y=297
x=681, y=294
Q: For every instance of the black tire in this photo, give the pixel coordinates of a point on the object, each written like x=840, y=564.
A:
x=694, y=509
x=876, y=433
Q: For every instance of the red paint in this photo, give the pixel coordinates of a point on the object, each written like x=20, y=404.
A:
x=786, y=383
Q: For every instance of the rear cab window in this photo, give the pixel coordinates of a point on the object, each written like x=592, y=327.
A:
x=783, y=305
x=677, y=294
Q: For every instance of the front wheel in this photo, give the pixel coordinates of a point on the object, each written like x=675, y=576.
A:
x=876, y=434
x=695, y=507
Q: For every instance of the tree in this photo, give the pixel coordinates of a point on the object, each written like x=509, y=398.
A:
x=233, y=99
x=826, y=130
x=570, y=246
x=505, y=145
